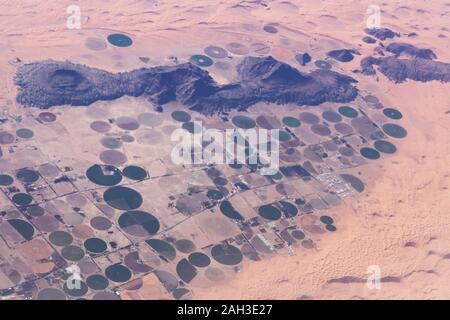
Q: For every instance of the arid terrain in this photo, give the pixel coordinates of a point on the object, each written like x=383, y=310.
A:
x=399, y=223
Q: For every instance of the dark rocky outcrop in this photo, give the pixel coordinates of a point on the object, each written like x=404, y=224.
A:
x=367, y=65
x=369, y=40
x=419, y=67
x=399, y=70
x=399, y=49
x=381, y=33
x=342, y=55
x=50, y=83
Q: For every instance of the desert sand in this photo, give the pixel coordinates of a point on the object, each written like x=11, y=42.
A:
x=400, y=223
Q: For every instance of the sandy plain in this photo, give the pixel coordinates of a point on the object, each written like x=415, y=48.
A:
x=400, y=223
